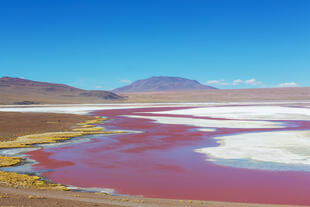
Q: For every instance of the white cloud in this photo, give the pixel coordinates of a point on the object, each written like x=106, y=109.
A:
x=125, y=81
x=288, y=84
x=213, y=81
x=99, y=87
x=237, y=82
x=224, y=83
x=253, y=82
x=217, y=82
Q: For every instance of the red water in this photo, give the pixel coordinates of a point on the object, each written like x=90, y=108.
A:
x=160, y=162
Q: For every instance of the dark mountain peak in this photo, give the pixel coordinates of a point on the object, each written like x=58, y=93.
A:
x=163, y=83
x=17, y=80
x=12, y=79
x=167, y=78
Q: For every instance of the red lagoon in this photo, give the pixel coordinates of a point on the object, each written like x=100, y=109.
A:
x=160, y=161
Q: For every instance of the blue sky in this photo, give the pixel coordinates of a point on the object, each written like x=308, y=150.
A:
x=106, y=44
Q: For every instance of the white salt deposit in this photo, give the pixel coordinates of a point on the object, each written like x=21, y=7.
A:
x=208, y=123
x=247, y=112
x=284, y=147
x=71, y=109
x=207, y=130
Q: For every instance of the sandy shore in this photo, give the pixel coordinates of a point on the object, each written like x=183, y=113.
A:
x=39, y=198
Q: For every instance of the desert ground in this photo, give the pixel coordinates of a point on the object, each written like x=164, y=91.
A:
x=15, y=124
x=220, y=96
x=16, y=121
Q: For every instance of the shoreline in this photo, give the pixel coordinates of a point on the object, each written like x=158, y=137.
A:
x=134, y=200
x=85, y=199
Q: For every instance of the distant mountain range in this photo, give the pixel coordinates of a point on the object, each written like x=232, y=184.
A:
x=163, y=83
x=155, y=89
x=22, y=91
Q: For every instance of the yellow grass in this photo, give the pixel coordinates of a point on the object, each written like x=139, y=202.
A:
x=8, y=161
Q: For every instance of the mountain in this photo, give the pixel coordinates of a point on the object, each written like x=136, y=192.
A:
x=163, y=83
x=23, y=91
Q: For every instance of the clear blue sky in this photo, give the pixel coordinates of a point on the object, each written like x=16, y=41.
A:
x=105, y=44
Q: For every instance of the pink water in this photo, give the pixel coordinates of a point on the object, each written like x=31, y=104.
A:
x=161, y=162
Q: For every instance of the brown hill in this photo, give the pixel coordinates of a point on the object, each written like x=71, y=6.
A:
x=22, y=91
x=163, y=83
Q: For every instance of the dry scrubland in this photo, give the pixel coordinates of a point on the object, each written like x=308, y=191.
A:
x=15, y=124
x=7, y=98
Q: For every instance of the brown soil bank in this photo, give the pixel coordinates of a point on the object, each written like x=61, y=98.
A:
x=51, y=198
x=228, y=95
x=15, y=124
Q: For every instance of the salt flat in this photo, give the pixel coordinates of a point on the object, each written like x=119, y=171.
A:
x=71, y=108
x=209, y=123
x=247, y=112
x=284, y=147
x=288, y=147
